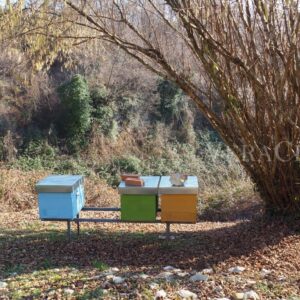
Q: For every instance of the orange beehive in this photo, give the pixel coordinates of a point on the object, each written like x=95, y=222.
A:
x=178, y=208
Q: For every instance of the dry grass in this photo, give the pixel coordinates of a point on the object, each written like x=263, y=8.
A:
x=17, y=190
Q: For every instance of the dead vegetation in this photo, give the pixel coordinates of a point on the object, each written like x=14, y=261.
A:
x=17, y=190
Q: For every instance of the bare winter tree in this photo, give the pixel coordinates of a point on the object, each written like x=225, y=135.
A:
x=243, y=56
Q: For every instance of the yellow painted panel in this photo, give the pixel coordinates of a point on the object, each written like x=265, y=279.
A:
x=178, y=208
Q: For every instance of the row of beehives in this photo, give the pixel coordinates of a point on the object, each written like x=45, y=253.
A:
x=178, y=204
x=62, y=197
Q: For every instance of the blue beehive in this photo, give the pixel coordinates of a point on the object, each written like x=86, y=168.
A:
x=60, y=196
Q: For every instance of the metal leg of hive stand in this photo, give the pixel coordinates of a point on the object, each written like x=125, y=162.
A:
x=168, y=230
x=78, y=225
x=69, y=230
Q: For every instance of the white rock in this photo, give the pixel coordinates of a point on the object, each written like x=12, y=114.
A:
x=265, y=272
x=207, y=271
x=218, y=289
x=3, y=285
x=251, y=295
x=144, y=276
x=186, y=294
x=169, y=268
x=68, y=291
x=104, y=292
x=114, y=270
x=221, y=299
x=238, y=296
x=161, y=294
x=251, y=282
x=281, y=278
x=165, y=275
x=177, y=271
x=199, y=277
x=51, y=293
x=154, y=286
x=56, y=270
x=236, y=270
x=118, y=279
x=182, y=274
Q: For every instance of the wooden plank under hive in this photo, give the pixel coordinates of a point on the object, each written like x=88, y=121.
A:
x=179, y=208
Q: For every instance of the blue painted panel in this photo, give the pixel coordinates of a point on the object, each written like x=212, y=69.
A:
x=61, y=205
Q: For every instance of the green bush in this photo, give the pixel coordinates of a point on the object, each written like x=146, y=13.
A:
x=103, y=112
x=39, y=148
x=99, y=96
x=71, y=166
x=128, y=106
x=175, y=111
x=104, y=117
x=37, y=155
x=75, y=118
x=171, y=101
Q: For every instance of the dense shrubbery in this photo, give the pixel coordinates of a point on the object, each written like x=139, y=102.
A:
x=103, y=111
x=75, y=117
x=124, y=132
x=175, y=112
x=171, y=101
x=128, y=107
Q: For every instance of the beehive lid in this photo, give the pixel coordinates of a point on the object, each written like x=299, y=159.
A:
x=59, y=183
x=190, y=186
x=150, y=187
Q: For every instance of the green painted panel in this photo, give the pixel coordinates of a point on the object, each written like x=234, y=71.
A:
x=138, y=207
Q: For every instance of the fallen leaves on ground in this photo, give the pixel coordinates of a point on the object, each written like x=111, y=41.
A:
x=129, y=261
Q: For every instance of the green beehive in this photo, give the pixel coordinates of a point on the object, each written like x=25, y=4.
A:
x=139, y=203
x=138, y=207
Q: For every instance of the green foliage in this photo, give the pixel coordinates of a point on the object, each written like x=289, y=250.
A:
x=104, y=117
x=69, y=165
x=39, y=148
x=2, y=151
x=175, y=112
x=171, y=101
x=75, y=118
x=101, y=266
x=128, y=106
x=99, y=96
x=37, y=155
x=103, y=112
x=93, y=294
